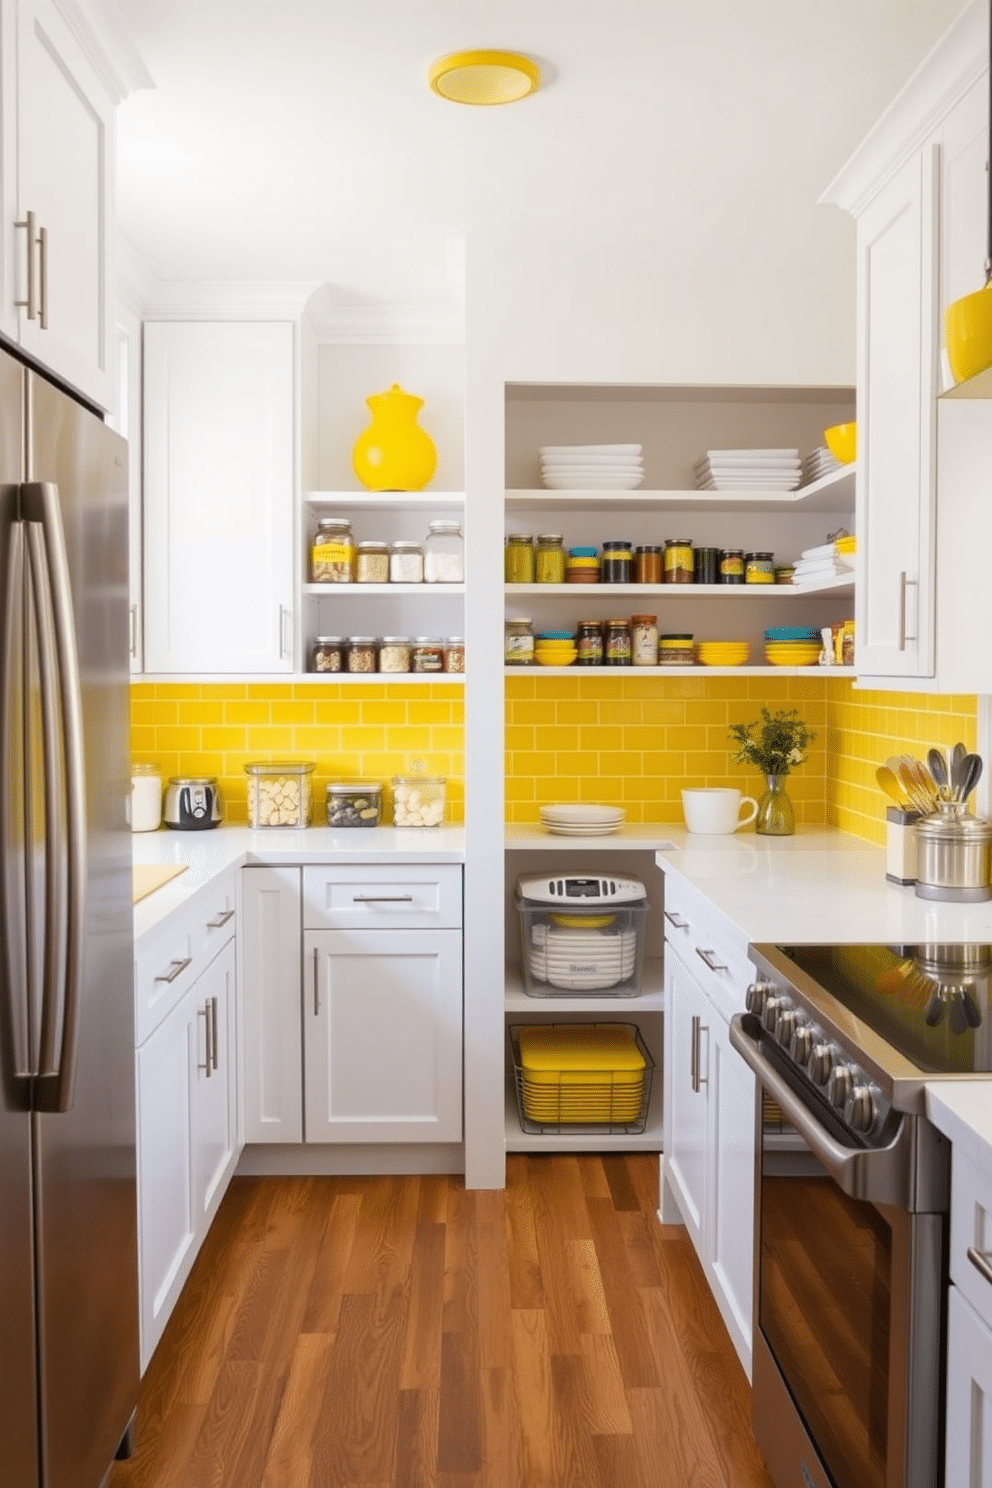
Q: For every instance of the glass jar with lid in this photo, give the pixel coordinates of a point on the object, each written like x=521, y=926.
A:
x=454, y=654
x=519, y=559
x=332, y=552
x=644, y=640
x=519, y=642
x=327, y=654
x=549, y=560
x=616, y=643
x=394, y=654
x=372, y=563
x=444, y=554
x=406, y=563
x=426, y=654
x=679, y=561
x=360, y=654
x=589, y=643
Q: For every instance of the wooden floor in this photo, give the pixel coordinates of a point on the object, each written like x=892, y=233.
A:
x=405, y=1333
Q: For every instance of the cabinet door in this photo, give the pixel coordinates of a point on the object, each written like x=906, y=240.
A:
x=969, y=1396
x=167, y=1204
x=270, y=1004
x=216, y=1133
x=896, y=416
x=688, y=1024
x=383, y=1035
x=65, y=178
x=962, y=209
x=730, y=1222
x=219, y=486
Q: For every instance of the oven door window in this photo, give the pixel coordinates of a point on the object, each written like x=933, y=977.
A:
x=825, y=1311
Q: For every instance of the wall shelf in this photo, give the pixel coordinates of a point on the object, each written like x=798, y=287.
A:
x=832, y=493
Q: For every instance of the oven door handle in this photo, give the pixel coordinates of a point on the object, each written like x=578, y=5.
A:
x=878, y=1175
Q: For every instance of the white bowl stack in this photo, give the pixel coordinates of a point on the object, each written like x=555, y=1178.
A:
x=582, y=821
x=592, y=467
x=582, y=959
x=748, y=470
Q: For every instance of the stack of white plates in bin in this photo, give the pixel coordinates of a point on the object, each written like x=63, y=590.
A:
x=582, y=821
x=749, y=470
x=592, y=467
x=583, y=959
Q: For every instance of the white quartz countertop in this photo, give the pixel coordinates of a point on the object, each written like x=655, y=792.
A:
x=205, y=855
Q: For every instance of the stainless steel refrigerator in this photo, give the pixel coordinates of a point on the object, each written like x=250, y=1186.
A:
x=68, y=1247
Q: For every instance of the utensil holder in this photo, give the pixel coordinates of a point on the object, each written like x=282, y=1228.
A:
x=900, y=845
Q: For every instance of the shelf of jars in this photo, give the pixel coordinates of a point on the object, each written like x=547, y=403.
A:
x=837, y=584
x=696, y=670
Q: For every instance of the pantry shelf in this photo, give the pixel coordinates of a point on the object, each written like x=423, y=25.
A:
x=416, y=592
x=832, y=493
x=388, y=501
x=836, y=584
x=678, y=671
x=651, y=998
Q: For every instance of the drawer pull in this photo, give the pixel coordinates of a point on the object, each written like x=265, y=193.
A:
x=982, y=1262
x=677, y=920
x=220, y=919
x=176, y=968
x=382, y=898
x=209, y=1065
x=708, y=958
x=316, y=982
x=213, y=1024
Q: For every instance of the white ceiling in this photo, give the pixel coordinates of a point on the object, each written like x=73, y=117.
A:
x=298, y=139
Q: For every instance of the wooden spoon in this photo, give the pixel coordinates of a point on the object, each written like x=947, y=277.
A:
x=891, y=786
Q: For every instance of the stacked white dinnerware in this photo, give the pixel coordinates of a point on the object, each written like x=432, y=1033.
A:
x=818, y=463
x=830, y=560
x=748, y=470
x=592, y=467
x=583, y=959
x=582, y=821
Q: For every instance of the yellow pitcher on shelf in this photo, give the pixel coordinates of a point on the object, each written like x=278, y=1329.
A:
x=394, y=453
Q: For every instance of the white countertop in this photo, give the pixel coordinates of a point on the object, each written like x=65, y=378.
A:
x=208, y=854
x=962, y=1110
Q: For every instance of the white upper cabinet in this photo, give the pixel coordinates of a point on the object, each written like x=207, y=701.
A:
x=58, y=198
x=219, y=496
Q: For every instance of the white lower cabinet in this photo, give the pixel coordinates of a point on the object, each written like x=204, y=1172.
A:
x=187, y=1135
x=708, y=1164
x=969, y=1396
x=352, y=997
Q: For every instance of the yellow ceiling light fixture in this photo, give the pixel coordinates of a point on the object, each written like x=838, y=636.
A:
x=484, y=77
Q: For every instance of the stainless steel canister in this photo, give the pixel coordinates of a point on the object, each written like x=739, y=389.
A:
x=954, y=855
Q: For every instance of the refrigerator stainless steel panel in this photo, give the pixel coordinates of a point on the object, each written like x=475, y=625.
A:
x=67, y=944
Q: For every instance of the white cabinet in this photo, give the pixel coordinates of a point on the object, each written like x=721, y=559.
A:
x=186, y=1063
x=363, y=1041
x=58, y=195
x=969, y=1328
x=219, y=497
x=708, y=1165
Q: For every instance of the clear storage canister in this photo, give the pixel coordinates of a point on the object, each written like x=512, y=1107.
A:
x=332, y=553
x=327, y=654
x=549, y=561
x=616, y=642
x=372, y=563
x=444, y=554
x=146, y=798
x=454, y=654
x=644, y=640
x=360, y=654
x=406, y=563
x=394, y=654
x=519, y=558
x=426, y=655
x=519, y=643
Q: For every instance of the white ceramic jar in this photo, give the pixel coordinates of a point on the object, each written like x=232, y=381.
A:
x=146, y=798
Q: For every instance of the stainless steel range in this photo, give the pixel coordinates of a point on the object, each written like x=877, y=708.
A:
x=852, y=1190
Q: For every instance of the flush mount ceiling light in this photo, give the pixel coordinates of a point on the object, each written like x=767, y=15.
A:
x=484, y=77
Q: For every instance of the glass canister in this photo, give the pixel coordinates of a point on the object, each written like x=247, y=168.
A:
x=679, y=562
x=647, y=564
x=644, y=640
x=731, y=567
x=616, y=643
x=617, y=563
x=454, y=654
x=406, y=563
x=332, y=552
x=426, y=654
x=519, y=642
x=360, y=654
x=394, y=654
x=444, y=554
x=519, y=558
x=327, y=654
x=759, y=568
x=549, y=560
x=589, y=643
x=146, y=798
x=372, y=563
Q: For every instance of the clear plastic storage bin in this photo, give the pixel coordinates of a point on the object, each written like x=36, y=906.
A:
x=279, y=793
x=584, y=950
x=418, y=800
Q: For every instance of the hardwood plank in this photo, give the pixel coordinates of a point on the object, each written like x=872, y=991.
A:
x=622, y=1190
x=637, y=1361
x=603, y=1393
x=289, y=1456
x=416, y=1438
x=502, y=1441
x=421, y=1364
x=495, y=1332
x=591, y=1311
x=355, y=1437
x=459, y=1433
x=574, y=1453
x=323, y=1303
x=526, y=1286
x=532, y=1365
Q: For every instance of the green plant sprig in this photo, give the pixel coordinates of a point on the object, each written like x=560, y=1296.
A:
x=775, y=743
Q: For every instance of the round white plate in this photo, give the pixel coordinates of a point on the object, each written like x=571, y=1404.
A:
x=591, y=449
x=599, y=483
x=579, y=812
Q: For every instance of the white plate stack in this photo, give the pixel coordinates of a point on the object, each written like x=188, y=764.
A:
x=582, y=821
x=592, y=467
x=583, y=959
x=748, y=470
x=818, y=463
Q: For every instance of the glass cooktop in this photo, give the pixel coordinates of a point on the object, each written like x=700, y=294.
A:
x=929, y=1002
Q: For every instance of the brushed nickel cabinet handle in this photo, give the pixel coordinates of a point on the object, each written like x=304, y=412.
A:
x=316, y=982
x=982, y=1262
x=677, y=920
x=708, y=958
x=382, y=898
x=31, y=303
x=43, y=276
x=176, y=968
x=213, y=1025
x=220, y=919
x=694, y=1056
x=207, y=1066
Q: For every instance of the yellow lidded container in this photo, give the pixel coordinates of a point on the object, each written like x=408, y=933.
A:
x=581, y=1073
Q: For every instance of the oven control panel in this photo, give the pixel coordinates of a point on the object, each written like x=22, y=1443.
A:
x=818, y=1058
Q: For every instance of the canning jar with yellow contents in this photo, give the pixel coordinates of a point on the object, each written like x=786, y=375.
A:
x=549, y=560
x=332, y=552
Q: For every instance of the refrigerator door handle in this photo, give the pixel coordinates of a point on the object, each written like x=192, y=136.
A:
x=15, y=1031
x=59, y=665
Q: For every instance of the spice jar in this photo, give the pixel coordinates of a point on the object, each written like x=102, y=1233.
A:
x=589, y=643
x=706, y=565
x=519, y=642
x=360, y=654
x=394, y=654
x=332, y=552
x=759, y=568
x=444, y=554
x=426, y=655
x=519, y=558
x=784, y=574
x=327, y=654
x=675, y=650
x=678, y=560
x=732, y=566
x=644, y=640
x=406, y=563
x=582, y=566
x=372, y=563
x=549, y=561
x=647, y=564
x=454, y=654
x=617, y=563
x=616, y=643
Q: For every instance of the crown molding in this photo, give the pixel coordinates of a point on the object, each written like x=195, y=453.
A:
x=176, y=299
x=386, y=324
x=100, y=32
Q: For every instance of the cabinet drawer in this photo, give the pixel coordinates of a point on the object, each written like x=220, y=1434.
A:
x=185, y=943
x=971, y=1229
x=383, y=896
x=710, y=946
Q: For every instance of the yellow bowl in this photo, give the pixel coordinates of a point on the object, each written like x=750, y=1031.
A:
x=842, y=442
x=583, y=922
x=968, y=334
x=555, y=658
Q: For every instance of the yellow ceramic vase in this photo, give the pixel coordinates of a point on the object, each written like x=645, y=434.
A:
x=394, y=453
